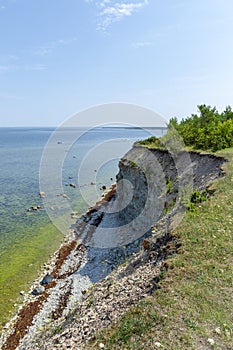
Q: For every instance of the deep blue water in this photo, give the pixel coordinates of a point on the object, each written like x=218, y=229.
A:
x=20, y=155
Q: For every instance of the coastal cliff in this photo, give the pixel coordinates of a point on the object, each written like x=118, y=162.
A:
x=152, y=186
x=151, y=180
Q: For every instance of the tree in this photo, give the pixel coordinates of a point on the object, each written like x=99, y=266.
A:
x=207, y=130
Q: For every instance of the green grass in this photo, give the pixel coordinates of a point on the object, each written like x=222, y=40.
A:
x=20, y=264
x=132, y=326
x=151, y=142
x=194, y=303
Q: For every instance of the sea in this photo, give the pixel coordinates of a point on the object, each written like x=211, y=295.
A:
x=89, y=162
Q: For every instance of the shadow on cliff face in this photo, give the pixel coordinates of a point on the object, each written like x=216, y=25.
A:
x=151, y=179
x=151, y=183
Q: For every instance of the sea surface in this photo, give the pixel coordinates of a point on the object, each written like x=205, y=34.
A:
x=88, y=159
x=20, y=155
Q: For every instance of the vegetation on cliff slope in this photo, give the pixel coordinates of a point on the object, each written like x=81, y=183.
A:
x=206, y=130
x=194, y=301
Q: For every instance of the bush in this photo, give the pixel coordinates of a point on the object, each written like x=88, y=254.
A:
x=207, y=130
x=152, y=141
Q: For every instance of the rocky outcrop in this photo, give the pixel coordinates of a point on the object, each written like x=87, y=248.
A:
x=150, y=179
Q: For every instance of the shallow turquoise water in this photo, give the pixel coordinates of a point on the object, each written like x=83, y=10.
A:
x=27, y=238
x=20, y=154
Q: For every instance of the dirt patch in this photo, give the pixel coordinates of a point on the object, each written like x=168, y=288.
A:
x=107, y=197
x=24, y=320
x=63, y=253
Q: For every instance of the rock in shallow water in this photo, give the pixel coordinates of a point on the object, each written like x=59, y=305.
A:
x=47, y=279
x=38, y=290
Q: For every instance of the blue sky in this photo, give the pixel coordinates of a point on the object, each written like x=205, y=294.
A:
x=58, y=57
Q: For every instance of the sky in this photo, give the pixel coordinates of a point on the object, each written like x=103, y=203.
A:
x=59, y=57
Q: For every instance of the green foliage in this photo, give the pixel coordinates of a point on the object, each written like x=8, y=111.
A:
x=191, y=198
x=198, y=196
x=173, y=122
x=133, y=325
x=169, y=185
x=207, y=130
x=170, y=206
x=152, y=141
x=194, y=298
x=132, y=163
x=171, y=141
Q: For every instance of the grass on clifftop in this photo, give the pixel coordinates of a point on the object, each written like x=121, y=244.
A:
x=193, y=307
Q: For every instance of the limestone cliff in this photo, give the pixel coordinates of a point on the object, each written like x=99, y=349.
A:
x=149, y=180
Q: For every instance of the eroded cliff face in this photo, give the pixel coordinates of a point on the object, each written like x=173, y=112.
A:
x=151, y=180
x=153, y=184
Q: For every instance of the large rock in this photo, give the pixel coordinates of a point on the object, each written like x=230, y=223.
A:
x=38, y=290
x=73, y=185
x=47, y=279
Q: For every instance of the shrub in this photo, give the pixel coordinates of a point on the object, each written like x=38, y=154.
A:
x=207, y=130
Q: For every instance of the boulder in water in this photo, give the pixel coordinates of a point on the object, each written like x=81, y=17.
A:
x=38, y=290
x=47, y=279
x=73, y=185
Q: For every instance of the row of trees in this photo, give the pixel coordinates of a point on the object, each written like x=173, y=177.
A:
x=207, y=130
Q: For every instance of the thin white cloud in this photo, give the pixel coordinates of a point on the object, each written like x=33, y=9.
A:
x=27, y=67
x=12, y=62
x=35, y=67
x=3, y=4
x=142, y=44
x=111, y=11
x=7, y=63
x=46, y=49
x=8, y=58
x=4, y=69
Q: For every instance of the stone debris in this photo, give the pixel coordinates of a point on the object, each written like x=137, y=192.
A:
x=73, y=185
x=98, y=309
x=101, y=304
x=38, y=290
x=47, y=279
x=211, y=341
